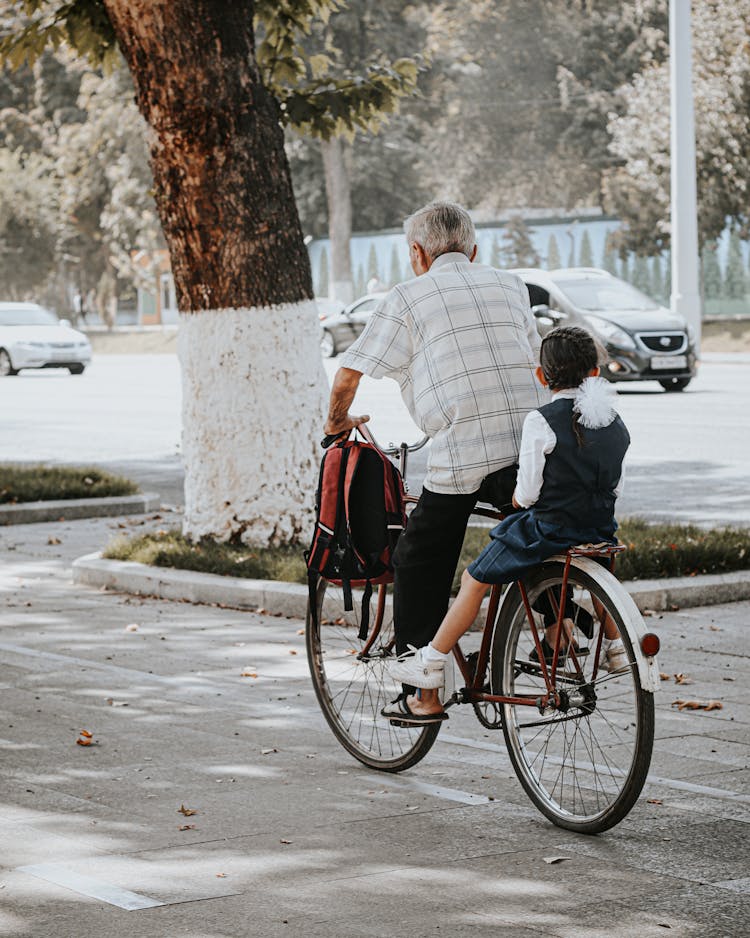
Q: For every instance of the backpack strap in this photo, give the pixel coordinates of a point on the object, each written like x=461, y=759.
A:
x=312, y=596
x=364, y=622
x=346, y=586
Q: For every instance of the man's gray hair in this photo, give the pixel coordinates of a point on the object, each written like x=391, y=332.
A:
x=441, y=227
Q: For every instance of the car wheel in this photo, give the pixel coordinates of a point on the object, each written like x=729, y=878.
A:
x=6, y=365
x=675, y=384
x=76, y=369
x=327, y=344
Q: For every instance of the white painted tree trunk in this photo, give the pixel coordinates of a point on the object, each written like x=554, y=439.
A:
x=254, y=399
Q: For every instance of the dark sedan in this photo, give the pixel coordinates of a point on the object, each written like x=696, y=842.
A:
x=643, y=339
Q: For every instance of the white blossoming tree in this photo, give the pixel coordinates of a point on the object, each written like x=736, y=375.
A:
x=638, y=190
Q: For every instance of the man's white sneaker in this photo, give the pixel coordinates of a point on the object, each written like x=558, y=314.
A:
x=613, y=657
x=413, y=668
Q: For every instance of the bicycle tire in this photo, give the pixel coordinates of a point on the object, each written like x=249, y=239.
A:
x=352, y=690
x=585, y=768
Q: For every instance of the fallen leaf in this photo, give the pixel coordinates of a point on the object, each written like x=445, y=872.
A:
x=54, y=540
x=282, y=841
x=682, y=679
x=300, y=631
x=551, y=860
x=663, y=676
x=249, y=672
x=133, y=627
x=188, y=812
x=698, y=704
x=292, y=651
x=266, y=752
x=714, y=628
x=654, y=801
x=186, y=827
x=221, y=875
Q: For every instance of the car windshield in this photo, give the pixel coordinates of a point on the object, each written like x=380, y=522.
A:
x=27, y=317
x=607, y=295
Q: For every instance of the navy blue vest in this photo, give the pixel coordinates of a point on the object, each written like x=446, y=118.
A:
x=579, y=481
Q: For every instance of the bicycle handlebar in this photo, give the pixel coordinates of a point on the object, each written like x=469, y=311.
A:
x=391, y=450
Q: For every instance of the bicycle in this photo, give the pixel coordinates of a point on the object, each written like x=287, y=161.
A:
x=579, y=738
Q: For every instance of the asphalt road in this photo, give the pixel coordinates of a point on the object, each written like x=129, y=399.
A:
x=287, y=835
x=688, y=459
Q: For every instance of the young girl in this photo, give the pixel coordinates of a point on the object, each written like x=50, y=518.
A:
x=570, y=473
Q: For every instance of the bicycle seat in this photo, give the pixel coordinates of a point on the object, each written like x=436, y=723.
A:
x=595, y=550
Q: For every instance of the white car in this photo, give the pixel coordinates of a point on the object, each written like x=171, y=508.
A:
x=33, y=337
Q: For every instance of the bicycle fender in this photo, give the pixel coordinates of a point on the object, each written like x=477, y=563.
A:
x=648, y=668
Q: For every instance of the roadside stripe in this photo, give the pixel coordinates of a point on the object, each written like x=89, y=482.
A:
x=437, y=791
x=674, y=783
x=90, y=887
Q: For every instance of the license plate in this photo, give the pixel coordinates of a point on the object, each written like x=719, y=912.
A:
x=669, y=363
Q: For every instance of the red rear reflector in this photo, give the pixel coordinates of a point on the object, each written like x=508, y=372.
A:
x=650, y=644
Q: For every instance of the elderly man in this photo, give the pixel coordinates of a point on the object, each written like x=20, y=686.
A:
x=462, y=344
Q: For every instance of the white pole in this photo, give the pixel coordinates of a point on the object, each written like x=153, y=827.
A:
x=686, y=299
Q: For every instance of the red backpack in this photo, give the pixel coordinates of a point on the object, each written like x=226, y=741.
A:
x=359, y=517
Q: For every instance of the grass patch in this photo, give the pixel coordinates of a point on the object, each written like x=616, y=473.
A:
x=654, y=551
x=47, y=483
x=171, y=549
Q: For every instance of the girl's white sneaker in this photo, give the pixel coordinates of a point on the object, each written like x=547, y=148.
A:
x=412, y=667
x=613, y=657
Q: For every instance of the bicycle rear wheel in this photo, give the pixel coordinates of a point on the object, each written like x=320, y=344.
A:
x=352, y=686
x=583, y=764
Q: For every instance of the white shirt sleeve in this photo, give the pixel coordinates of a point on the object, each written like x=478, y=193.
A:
x=537, y=440
x=384, y=348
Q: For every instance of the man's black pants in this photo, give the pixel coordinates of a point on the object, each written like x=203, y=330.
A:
x=427, y=553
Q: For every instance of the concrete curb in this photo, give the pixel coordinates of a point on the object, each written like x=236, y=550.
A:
x=290, y=599
x=69, y=509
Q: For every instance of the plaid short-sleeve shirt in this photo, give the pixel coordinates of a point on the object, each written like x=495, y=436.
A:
x=462, y=344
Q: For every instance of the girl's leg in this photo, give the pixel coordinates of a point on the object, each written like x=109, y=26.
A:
x=461, y=614
x=457, y=621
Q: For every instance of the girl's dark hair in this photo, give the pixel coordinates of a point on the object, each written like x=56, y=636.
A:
x=567, y=355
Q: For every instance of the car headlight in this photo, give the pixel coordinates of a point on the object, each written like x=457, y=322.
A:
x=610, y=332
x=31, y=344
x=690, y=333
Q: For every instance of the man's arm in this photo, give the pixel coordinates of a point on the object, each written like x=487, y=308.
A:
x=345, y=384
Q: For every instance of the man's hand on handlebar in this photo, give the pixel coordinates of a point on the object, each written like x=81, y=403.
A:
x=344, y=425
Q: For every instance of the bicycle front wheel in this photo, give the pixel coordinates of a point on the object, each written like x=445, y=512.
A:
x=583, y=763
x=352, y=683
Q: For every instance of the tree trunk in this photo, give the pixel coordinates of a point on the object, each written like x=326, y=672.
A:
x=253, y=383
x=336, y=163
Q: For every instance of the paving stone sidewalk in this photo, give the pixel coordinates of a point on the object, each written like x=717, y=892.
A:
x=290, y=835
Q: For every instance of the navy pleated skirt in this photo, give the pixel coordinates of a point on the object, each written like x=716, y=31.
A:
x=522, y=541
